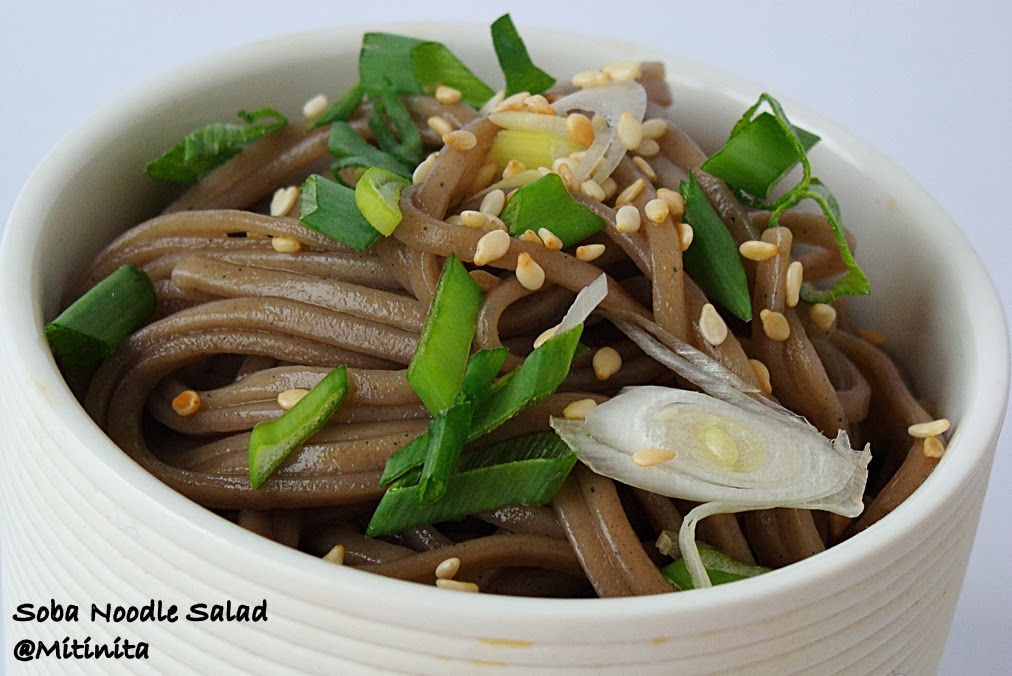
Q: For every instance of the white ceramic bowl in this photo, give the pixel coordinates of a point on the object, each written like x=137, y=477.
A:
x=82, y=523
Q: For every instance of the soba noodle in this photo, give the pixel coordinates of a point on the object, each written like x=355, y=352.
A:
x=239, y=323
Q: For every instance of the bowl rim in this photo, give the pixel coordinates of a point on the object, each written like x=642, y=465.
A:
x=46, y=391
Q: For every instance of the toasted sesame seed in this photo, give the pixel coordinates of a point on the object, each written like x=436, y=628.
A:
x=822, y=315
x=448, y=568
x=588, y=252
x=290, y=398
x=530, y=236
x=590, y=78
x=446, y=94
x=493, y=202
x=580, y=129
x=335, y=555
x=649, y=457
x=593, y=190
x=457, y=585
x=630, y=131
x=676, y=203
x=648, y=148
x=496, y=223
x=754, y=250
x=929, y=429
x=514, y=102
x=549, y=239
x=609, y=186
x=286, y=245
x=568, y=178
x=631, y=192
x=623, y=71
x=493, y=245
x=473, y=219
x=578, y=409
x=645, y=168
x=544, y=171
x=685, y=235
x=607, y=362
x=513, y=167
x=455, y=219
x=315, y=107
x=627, y=219
x=440, y=125
x=775, y=325
x=539, y=105
x=461, y=140
x=654, y=128
x=933, y=448
x=284, y=200
x=656, y=210
x=484, y=176
x=544, y=336
x=186, y=403
x=712, y=325
x=423, y=169
x=795, y=275
x=762, y=374
x=530, y=275
x=873, y=337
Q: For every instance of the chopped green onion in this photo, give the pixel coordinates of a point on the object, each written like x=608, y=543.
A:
x=520, y=72
x=388, y=109
x=96, y=323
x=354, y=151
x=272, y=441
x=342, y=109
x=329, y=208
x=532, y=148
x=437, y=367
x=377, y=195
x=204, y=149
x=411, y=66
x=759, y=154
x=546, y=203
x=720, y=568
x=713, y=260
x=449, y=430
x=523, y=471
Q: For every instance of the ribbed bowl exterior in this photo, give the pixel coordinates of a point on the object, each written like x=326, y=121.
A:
x=82, y=524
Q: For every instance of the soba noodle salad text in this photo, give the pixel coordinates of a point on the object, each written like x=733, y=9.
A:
x=519, y=340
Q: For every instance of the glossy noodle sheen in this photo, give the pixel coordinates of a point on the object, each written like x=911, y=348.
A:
x=240, y=323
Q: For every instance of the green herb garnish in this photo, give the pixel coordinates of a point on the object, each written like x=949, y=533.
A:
x=520, y=72
x=352, y=150
x=713, y=260
x=546, y=203
x=209, y=147
x=524, y=471
x=720, y=568
x=329, y=208
x=377, y=196
x=342, y=109
x=96, y=323
x=272, y=441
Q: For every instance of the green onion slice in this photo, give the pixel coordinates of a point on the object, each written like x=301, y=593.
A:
x=93, y=326
x=329, y=208
x=410, y=66
x=520, y=72
x=720, y=568
x=354, y=151
x=377, y=195
x=272, y=441
x=437, y=367
x=525, y=471
x=546, y=203
x=204, y=149
x=713, y=260
x=759, y=154
x=388, y=110
x=342, y=109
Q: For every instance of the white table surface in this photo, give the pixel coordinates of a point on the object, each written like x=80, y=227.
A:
x=928, y=83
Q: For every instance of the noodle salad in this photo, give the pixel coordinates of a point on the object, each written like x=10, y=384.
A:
x=532, y=340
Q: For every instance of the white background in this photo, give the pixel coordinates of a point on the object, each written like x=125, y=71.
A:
x=928, y=83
